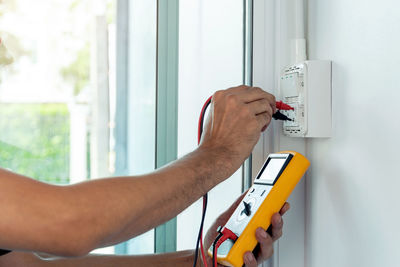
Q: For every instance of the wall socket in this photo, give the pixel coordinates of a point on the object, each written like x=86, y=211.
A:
x=306, y=87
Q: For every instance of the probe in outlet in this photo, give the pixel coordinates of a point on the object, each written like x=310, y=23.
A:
x=282, y=117
x=283, y=106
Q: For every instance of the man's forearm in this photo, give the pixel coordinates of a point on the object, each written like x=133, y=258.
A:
x=175, y=259
x=127, y=207
x=162, y=195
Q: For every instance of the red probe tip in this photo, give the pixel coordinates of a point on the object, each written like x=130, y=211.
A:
x=282, y=106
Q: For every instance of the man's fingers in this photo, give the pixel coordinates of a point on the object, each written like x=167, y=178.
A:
x=261, y=106
x=249, y=259
x=263, y=120
x=271, y=101
x=277, y=225
x=265, y=241
x=255, y=93
x=240, y=88
x=285, y=208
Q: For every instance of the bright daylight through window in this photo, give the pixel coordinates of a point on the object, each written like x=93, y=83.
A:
x=57, y=96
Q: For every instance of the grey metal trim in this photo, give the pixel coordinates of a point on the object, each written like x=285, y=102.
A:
x=121, y=129
x=167, y=104
x=247, y=76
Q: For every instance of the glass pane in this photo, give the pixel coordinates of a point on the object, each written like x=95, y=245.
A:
x=210, y=58
x=141, y=101
x=54, y=97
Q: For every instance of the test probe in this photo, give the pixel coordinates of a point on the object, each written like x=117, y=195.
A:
x=278, y=115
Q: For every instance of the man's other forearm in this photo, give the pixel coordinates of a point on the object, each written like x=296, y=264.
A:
x=175, y=259
x=134, y=205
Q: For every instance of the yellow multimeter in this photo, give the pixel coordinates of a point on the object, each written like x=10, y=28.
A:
x=273, y=185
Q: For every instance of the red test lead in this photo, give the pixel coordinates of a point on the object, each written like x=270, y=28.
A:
x=224, y=234
x=199, y=241
x=282, y=106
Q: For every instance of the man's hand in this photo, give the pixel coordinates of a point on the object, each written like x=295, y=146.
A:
x=265, y=239
x=237, y=117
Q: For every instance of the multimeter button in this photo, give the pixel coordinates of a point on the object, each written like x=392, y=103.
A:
x=247, y=208
x=252, y=190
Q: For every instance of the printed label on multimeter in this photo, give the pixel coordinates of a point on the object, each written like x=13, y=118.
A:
x=272, y=186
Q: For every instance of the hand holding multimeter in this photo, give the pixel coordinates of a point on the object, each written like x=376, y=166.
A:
x=265, y=239
x=272, y=186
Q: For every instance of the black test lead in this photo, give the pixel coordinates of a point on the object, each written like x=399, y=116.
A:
x=279, y=116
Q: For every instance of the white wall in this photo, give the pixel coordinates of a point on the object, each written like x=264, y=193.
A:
x=353, y=185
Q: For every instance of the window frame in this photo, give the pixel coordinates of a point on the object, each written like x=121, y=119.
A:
x=166, y=97
x=167, y=105
x=136, y=98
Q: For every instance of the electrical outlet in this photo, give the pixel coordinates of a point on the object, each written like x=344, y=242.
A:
x=307, y=88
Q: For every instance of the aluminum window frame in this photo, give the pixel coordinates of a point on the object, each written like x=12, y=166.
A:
x=167, y=105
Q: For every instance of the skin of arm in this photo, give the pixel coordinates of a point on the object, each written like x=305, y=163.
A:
x=175, y=259
x=73, y=220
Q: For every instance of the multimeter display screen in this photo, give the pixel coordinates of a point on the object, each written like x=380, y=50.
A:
x=272, y=170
